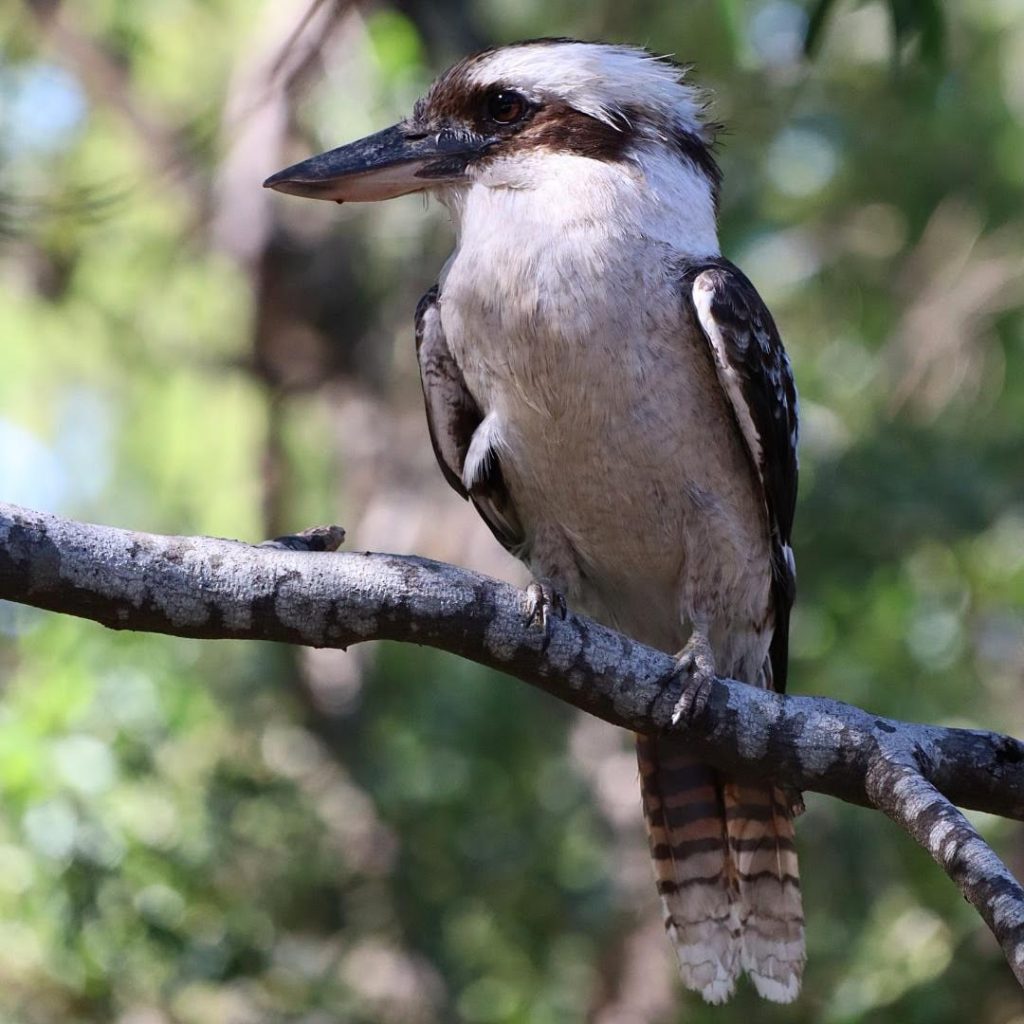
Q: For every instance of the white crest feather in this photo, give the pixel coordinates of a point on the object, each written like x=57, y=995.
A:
x=602, y=80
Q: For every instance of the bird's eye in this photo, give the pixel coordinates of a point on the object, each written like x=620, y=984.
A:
x=506, y=107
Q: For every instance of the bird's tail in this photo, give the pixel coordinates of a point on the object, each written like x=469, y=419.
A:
x=727, y=874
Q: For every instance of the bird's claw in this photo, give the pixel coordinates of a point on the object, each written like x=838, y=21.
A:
x=795, y=800
x=316, y=538
x=542, y=599
x=696, y=665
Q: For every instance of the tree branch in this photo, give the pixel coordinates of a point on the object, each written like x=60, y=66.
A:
x=916, y=805
x=208, y=588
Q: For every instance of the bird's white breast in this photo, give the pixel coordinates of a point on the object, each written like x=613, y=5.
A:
x=562, y=305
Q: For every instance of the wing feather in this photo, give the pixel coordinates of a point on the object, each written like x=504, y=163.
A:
x=459, y=431
x=757, y=378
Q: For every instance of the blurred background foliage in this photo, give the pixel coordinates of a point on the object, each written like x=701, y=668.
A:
x=234, y=833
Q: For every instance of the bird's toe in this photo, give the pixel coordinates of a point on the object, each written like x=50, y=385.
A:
x=695, y=665
x=542, y=601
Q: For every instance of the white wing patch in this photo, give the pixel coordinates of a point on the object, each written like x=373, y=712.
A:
x=787, y=553
x=703, y=291
x=483, y=448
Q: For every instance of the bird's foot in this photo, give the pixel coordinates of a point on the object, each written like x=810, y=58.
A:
x=795, y=800
x=696, y=664
x=316, y=538
x=543, y=601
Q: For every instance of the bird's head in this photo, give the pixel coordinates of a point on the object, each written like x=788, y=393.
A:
x=500, y=108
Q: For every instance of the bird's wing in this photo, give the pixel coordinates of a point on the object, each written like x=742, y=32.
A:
x=756, y=376
x=459, y=431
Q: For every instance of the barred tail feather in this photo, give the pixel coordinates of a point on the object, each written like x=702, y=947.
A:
x=760, y=830
x=689, y=846
x=727, y=874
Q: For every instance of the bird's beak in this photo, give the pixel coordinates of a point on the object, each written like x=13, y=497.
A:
x=393, y=162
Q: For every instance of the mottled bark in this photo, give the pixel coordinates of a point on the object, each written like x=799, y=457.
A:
x=208, y=588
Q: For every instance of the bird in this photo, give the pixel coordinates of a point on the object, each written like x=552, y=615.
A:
x=614, y=398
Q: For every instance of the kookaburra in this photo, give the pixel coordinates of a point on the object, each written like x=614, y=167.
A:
x=613, y=397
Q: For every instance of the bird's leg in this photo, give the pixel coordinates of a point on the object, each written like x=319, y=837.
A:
x=543, y=600
x=696, y=662
x=555, y=573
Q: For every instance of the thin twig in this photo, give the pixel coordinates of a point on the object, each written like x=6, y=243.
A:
x=954, y=844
